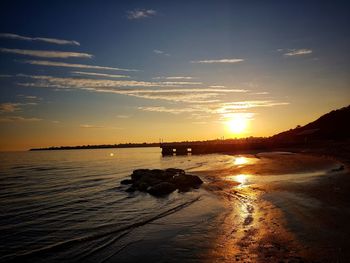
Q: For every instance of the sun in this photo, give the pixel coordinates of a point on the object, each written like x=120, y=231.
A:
x=238, y=124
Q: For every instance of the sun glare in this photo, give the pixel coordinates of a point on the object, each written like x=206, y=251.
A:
x=238, y=124
x=240, y=160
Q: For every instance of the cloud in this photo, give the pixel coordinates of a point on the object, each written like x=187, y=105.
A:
x=297, y=52
x=243, y=105
x=174, y=78
x=160, y=52
x=41, y=39
x=141, y=89
x=224, y=60
x=69, y=65
x=29, y=97
x=217, y=86
x=14, y=106
x=18, y=119
x=167, y=110
x=237, y=115
x=9, y=107
x=106, y=83
x=261, y=93
x=123, y=116
x=45, y=54
x=89, y=126
x=221, y=110
x=99, y=74
x=5, y=76
x=172, y=83
x=141, y=13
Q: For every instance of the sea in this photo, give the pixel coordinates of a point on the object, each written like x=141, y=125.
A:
x=69, y=206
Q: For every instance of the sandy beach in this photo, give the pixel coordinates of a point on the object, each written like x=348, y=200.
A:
x=282, y=207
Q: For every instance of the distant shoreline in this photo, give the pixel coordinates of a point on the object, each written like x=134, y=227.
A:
x=86, y=147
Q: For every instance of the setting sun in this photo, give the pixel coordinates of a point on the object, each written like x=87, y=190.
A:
x=238, y=124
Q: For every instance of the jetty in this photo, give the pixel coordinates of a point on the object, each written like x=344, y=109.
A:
x=206, y=148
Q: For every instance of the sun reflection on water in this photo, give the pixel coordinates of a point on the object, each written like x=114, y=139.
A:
x=240, y=160
x=242, y=179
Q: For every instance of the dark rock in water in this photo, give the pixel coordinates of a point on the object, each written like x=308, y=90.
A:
x=187, y=180
x=131, y=189
x=126, y=181
x=137, y=174
x=174, y=171
x=161, y=182
x=160, y=189
x=142, y=186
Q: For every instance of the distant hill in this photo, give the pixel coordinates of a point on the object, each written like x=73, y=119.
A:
x=334, y=125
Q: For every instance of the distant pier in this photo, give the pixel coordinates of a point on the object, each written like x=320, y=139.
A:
x=186, y=149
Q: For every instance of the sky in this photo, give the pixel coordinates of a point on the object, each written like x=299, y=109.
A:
x=105, y=72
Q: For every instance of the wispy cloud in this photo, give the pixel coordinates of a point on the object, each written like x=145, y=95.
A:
x=221, y=110
x=45, y=53
x=18, y=119
x=5, y=76
x=174, y=77
x=69, y=65
x=224, y=60
x=261, y=93
x=106, y=83
x=160, y=52
x=99, y=74
x=29, y=97
x=9, y=107
x=242, y=105
x=217, y=86
x=297, y=52
x=172, y=91
x=141, y=13
x=167, y=110
x=89, y=126
x=41, y=39
x=172, y=83
x=14, y=106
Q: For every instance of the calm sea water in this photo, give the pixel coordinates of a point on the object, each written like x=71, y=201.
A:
x=69, y=206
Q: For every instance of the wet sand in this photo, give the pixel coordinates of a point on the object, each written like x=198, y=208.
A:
x=281, y=207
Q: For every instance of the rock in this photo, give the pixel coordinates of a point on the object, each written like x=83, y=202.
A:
x=126, y=181
x=174, y=171
x=131, y=189
x=187, y=181
x=142, y=186
x=161, y=182
x=160, y=189
x=137, y=174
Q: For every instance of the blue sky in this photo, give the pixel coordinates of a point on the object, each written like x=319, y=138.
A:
x=94, y=72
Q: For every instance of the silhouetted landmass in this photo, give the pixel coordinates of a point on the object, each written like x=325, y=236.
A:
x=100, y=146
x=331, y=126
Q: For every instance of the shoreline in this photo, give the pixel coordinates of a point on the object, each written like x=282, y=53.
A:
x=286, y=222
